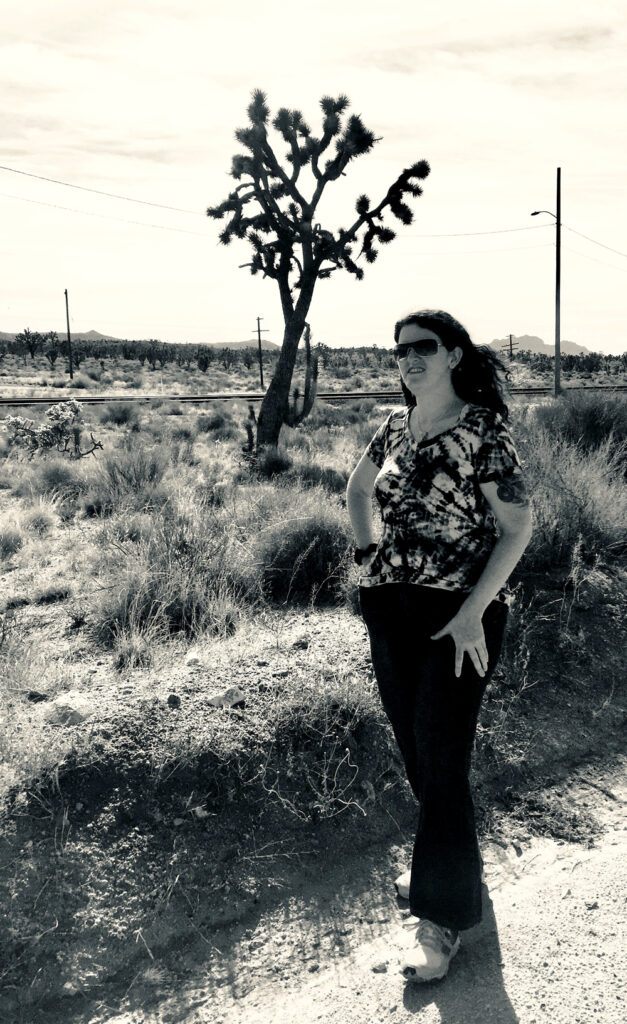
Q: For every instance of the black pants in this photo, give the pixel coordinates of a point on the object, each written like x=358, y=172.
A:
x=434, y=718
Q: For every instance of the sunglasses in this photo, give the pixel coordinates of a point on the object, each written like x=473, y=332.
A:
x=424, y=347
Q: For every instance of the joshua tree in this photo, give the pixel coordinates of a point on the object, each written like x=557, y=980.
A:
x=288, y=244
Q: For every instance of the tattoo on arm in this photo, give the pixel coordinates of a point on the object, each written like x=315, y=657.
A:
x=512, y=489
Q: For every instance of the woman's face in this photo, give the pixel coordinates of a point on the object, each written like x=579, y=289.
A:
x=422, y=373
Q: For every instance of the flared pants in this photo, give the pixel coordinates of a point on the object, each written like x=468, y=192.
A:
x=434, y=718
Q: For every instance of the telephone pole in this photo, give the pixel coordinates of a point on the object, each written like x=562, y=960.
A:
x=558, y=259
x=265, y=331
x=509, y=349
x=69, y=339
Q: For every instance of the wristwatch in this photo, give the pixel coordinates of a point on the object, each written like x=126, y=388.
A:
x=361, y=553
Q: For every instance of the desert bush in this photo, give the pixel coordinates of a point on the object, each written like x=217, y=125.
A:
x=64, y=481
x=11, y=539
x=119, y=413
x=132, y=478
x=80, y=381
x=578, y=500
x=301, y=546
x=587, y=420
x=272, y=463
x=178, y=580
x=310, y=474
x=42, y=518
x=207, y=422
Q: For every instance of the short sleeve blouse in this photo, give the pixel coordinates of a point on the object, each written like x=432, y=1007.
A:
x=438, y=528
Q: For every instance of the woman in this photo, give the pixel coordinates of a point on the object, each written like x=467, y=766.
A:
x=434, y=598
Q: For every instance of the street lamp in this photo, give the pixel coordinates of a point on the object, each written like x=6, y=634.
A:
x=558, y=226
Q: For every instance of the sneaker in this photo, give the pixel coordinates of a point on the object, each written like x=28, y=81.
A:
x=435, y=947
x=402, y=884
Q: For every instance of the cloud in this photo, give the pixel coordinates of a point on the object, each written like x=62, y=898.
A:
x=411, y=59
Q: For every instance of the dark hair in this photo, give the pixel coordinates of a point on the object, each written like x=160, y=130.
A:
x=479, y=375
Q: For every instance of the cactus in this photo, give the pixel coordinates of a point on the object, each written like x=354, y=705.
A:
x=248, y=449
x=294, y=415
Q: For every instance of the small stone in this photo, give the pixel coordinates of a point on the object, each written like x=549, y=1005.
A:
x=231, y=698
x=380, y=968
x=174, y=701
x=192, y=658
x=313, y=968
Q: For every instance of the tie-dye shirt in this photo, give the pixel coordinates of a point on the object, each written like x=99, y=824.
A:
x=438, y=528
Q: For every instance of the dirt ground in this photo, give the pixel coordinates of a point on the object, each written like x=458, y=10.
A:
x=324, y=943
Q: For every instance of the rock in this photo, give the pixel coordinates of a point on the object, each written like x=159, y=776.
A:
x=192, y=658
x=35, y=697
x=380, y=968
x=174, y=701
x=231, y=698
x=69, y=708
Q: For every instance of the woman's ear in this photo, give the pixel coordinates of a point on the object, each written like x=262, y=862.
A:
x=455, y=357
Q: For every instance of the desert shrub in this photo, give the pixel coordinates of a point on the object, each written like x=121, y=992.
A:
x=302, y=551
x=11, y=539
x=136, y=527
x=179, y=580
x=119, y=413
x=272, y=462
x=312, y=475
x=52, y=593
x=80, y=380
x=65, y=481
x=183, y=434
x=94, y=374
x=132, y=478
x=207, y=422
x=42, y=518
x=587, y=420
x=579, y=500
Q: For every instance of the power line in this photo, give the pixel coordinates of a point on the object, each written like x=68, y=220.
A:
x=593, y=258
x=98, y=192
x=178, y=209
x=595, y=242
x=103, y=216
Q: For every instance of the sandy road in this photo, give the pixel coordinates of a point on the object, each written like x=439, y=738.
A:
x=550, y=948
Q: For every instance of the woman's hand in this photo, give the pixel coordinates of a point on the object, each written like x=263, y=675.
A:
x=466, y=629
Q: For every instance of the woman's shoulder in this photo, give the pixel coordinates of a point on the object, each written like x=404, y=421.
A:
x=482, y=417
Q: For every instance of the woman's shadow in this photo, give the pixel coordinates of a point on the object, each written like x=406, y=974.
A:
x=473, y=991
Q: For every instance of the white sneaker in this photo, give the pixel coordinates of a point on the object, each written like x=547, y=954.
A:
x=402, y=884
x=430, y=957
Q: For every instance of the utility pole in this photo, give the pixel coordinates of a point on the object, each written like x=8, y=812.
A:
x=558, y=240
x=265, y=331
x=558, y=255
x=69, y=339
x=509, y=349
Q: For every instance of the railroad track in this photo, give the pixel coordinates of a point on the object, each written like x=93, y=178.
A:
x=247, y=396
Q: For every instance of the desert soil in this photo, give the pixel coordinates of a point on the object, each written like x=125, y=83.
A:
x=548, y=948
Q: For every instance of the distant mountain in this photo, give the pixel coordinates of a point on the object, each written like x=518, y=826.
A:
x=88, y=336
x=243, y=344
x=533, y=344
x=96, y=336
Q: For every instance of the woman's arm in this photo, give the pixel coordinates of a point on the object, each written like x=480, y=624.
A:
x=509, y=502
x=510, y=505
x=359, y=500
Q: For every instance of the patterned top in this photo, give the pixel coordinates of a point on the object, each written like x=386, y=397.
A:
x=438, y=528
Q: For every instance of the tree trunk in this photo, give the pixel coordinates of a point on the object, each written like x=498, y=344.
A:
x=276, y=400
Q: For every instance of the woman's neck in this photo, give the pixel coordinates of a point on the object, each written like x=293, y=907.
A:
x=438, y=405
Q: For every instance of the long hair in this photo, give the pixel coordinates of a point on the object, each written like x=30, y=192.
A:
x=479, y=377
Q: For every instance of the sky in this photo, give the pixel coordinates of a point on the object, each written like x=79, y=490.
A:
x=141, y=99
